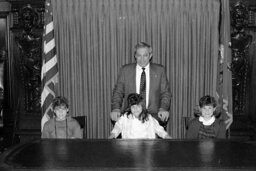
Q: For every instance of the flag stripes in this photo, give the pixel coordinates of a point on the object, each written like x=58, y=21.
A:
x=50, y=55
x=49, y=28
x=51, y=64
x=49, y=73
x=49, y=46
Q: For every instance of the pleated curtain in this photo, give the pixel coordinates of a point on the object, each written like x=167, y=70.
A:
x=94, y=38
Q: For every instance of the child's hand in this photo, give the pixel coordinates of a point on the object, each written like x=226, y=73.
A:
x=112, y=136
x=167, y=137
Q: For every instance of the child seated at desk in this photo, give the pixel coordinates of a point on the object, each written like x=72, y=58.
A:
x=61, y=125
x=206, y=126
x=137, y=123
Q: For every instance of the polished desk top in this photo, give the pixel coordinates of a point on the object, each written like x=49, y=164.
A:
x=130, y=155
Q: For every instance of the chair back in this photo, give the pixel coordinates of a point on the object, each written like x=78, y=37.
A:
x=186, y=121
x=82, y=120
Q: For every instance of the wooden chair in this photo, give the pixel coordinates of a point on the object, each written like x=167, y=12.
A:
x=82, y=120
x=186, y=121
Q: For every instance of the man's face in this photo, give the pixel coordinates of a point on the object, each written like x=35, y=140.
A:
x=143, y=56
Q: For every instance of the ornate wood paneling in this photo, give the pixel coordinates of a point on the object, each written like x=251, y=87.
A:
x=25, y=62
x=29, y=43
x=240, y=42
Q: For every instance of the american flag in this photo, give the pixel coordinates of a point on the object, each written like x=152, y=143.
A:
x=49, y=73
x=224, y=82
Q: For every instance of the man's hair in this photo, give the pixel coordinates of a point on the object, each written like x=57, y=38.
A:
x=136, y=99
x=59, y=101
x=207, y=101
x=142, y=45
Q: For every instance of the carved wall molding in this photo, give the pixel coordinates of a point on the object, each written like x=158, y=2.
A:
x=240, y=42
x=29, y=41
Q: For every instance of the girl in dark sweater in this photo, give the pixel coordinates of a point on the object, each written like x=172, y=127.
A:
x=61, y=125
x=206, y=126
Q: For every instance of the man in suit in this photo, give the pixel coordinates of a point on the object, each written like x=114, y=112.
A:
x=157, y=93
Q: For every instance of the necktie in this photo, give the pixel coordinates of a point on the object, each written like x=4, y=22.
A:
x=143, y=85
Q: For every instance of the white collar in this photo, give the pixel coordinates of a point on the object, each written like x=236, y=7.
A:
x=146, y=67
x=208, y=122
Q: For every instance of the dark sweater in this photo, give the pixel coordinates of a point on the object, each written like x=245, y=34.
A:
x=68, y=128
x=196, y=130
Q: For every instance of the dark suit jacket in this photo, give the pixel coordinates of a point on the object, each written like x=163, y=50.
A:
x=159, y=93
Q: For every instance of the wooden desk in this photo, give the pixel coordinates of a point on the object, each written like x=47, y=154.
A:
x=130, y=155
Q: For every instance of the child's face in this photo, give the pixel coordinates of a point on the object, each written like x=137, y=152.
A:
x=136, y=110
x=207, y=111
x=61, y=112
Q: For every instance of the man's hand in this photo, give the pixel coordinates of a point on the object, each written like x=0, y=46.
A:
x=229, y=121
x=115, y=115
x=163, y=115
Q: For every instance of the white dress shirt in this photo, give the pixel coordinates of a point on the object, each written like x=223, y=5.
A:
x=138, y=76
